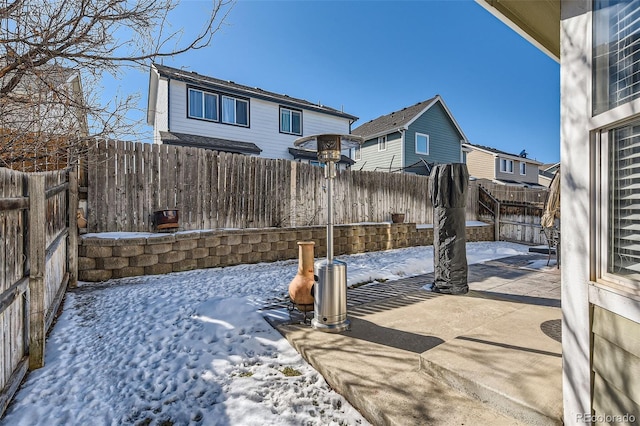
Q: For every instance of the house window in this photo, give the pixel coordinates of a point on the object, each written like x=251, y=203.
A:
x=235, y=111
x=422, y=144
x=616, y=53
x=290, y=121
x=356, y=153
x=382, y=143
x=506, y=166
x=616, y=84
x=523, y=168
x=620, y=226
x=203, y=105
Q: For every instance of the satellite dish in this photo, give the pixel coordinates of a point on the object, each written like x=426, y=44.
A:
x=523, y=154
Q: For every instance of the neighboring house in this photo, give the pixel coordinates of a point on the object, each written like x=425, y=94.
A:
x=190, y=109
x=41, y=118
x=484, y=162
x=597, y=45
x=410, y=140
x=546, y=173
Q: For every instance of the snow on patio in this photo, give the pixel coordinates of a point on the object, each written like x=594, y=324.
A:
x=193, y=348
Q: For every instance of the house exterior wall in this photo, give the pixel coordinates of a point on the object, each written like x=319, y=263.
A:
x=371, y=159
x=161, y=110
x=264, y=123
x=481, y=165
x=444, y=139
x=531, y=174
x=576, y=148
x=616, y=359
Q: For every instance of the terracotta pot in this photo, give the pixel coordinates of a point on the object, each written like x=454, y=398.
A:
x=300, y=286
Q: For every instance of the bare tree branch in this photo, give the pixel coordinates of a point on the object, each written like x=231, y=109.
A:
x=53, y=54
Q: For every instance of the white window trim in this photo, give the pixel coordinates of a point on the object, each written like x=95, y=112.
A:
x=290, y=112
x=416, y=143
x=357, y=153
x=204, y=92
x=235, y=101
x=602, y=215
x=382, y=143
x=504, y=170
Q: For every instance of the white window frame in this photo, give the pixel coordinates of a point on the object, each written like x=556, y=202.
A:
x=204, y=94
x=235, y=118
x=599, y=126
x=523, y=168
x=357, y=153
x=290, y=112
x=382, y=143
x=426, y=152
x=503, y=165
x=602, y=141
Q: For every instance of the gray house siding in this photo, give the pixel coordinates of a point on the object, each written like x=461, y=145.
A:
x=444, y=138
x=372, y=159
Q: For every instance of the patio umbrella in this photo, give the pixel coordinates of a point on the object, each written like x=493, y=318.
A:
x=552, y=206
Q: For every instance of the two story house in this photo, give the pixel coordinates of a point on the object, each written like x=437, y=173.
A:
x=411, y=140
x=42, y=118
x=189, y=109
x=501, y=167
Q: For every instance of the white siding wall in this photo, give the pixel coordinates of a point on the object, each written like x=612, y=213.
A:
x=162, y=115
x=575, y=184
x=264, y=124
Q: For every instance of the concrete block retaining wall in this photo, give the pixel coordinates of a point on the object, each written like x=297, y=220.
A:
x=105, y=256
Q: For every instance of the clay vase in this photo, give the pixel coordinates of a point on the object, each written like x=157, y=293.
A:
x=300, y=286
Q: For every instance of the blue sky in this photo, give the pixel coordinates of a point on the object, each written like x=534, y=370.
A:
x=375, y=57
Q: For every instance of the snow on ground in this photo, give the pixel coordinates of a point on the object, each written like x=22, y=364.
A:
x=192, y=348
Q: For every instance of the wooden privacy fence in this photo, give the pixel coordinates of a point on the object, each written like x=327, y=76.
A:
x=516, y=222
x=38, y=246
x=127, y=181
x=515, y=193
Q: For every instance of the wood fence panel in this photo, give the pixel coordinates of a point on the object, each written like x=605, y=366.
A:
x=36, y=266
x=215, y=173
x=224, y=190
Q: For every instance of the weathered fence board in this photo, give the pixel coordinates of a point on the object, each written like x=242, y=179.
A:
x=515, y=193
x=38, y=240
x=222, y=190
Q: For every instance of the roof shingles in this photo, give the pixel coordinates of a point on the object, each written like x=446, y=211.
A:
x=199, y=79
x=393, y=121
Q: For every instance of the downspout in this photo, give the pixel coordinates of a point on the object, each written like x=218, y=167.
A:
x=168, y=103
x=402, y=147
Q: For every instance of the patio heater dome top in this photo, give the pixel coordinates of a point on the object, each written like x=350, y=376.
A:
x=328, y=146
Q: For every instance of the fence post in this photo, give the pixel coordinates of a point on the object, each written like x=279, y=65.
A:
x=72, y=240
x=294, y=184
x=496, y=227
x=37, y=261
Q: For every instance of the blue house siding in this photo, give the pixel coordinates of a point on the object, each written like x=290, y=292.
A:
x=444, y=138
x=372, y=159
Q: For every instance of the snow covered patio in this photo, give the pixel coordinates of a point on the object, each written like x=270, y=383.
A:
x=194, y=348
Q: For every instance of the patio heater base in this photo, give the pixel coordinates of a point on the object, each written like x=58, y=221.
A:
x=333, y=328
x=330, y=297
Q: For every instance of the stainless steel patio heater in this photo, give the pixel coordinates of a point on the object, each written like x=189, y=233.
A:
x=330, y=294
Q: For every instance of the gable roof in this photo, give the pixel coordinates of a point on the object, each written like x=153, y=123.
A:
x=193, y=77
x=496, y=152
x=402, y=119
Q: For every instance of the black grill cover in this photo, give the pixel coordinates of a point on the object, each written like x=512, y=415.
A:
x=448, y=187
